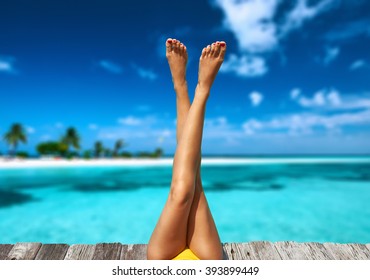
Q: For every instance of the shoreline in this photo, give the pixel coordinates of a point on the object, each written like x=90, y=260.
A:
x=132, y=162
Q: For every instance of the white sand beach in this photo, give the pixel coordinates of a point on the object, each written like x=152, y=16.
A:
x=6, y=163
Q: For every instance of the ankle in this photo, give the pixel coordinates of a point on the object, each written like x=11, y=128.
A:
x=202, y=89
x=202, y=92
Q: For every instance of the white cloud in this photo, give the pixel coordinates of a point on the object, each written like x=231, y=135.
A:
x=251, y=22
x=166, y=133
x=302, y=13
x=93, y=126
x=317, y=100
x=219, y=128
x=254, y=26
x=251, y=126
x=322, y=98
x=334, y=98
x=294, y=93
x=256, y=98
x=136, y=121
x=110, y=66
x=331, y=99
x=145, y=73
x=245, y=66
x=163, y=135
x=212, y=122
x=30, y=129
x=358, y=64
x=353, y=103
x=140, y=133
x=306, y=123
x=130, y=120
x=349, y=30
x=7, y=65
x=331, y=53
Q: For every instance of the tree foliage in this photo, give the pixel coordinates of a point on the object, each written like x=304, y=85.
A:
x=71, y=138
x=15, y=135
x=52, y=148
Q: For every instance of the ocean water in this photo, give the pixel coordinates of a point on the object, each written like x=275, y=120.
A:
x=326, y=202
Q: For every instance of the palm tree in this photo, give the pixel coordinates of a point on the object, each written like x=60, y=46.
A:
x=98, y=147
x=13, y=136
x=119, y=145
x=158, y=152
x=71, y=138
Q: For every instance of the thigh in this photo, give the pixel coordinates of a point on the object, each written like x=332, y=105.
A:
x=202, y=237
x=169, y=236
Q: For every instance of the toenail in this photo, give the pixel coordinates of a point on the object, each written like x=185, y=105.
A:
x=223, y=44
x=169, y=41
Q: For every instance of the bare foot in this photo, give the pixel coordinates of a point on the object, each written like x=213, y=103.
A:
x=209, y=64
x=177, y=57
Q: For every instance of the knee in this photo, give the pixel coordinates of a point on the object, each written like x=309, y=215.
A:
x=182, y=192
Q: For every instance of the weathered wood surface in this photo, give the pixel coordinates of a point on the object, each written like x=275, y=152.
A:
x=4, y=250
x=80, y=252
x=52, y=252
x=134, y=252
x=260, y=250
x=107, y=251
x=24, y=251
x=317, y=251
x=291, y=250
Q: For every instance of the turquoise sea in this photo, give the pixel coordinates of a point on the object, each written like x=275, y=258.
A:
x=273, y=201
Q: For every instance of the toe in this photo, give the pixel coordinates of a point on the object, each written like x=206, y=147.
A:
x=169, y=45
x=176, y=47
x=204, y=51
x=213, y=48
x=208, y=50
x=217, y=49
x=222, y=49
x=182, y=48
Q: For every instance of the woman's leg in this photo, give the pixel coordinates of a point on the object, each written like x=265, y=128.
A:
x=201, y=235
x=169, y=235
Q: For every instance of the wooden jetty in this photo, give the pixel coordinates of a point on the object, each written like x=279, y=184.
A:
x=260, y=250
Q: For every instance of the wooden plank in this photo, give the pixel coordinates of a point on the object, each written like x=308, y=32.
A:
x=340, y=251
x=80, y=252
x=107, y=251
x=368, y=246
x=265, y=250
x=291, y=250
x=52, y=252
x=134, y=252
x=4, y=250
x=24, y=251
x=244, y=251
x=317, y=251
x=360, y=251
x=227, y=251
x=232, y=251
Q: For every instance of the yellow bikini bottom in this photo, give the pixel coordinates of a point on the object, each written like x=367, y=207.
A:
x=187, y=254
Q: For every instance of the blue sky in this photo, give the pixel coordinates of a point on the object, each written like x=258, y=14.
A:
x=295, y=78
